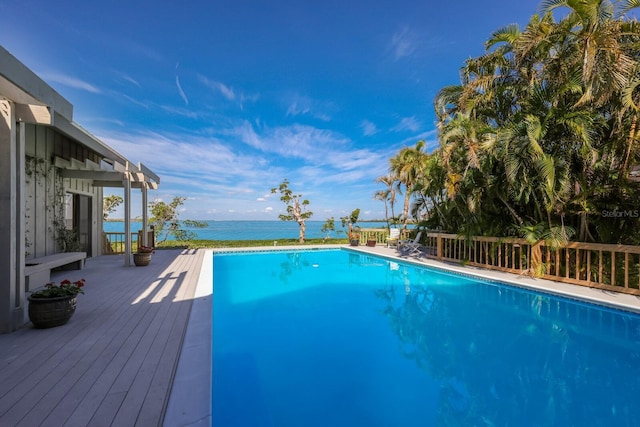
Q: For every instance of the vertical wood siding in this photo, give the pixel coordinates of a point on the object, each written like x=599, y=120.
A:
x=42, y=143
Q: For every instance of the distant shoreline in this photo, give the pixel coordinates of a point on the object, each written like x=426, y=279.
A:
x=238, y=220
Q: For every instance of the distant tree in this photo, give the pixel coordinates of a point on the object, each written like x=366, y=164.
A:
x=351, y=221
x=166, y=222
x=328, y=227
x=109, y=205
x=296, y=207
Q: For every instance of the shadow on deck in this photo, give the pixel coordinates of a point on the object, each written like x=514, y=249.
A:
x=114, y=362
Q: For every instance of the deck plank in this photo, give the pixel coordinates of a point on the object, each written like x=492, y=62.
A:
x=113, y=363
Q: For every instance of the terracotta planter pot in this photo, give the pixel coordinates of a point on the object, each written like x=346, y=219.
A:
x=141, y=260
x=371, y=243
x=50, y=312
x=354, y=242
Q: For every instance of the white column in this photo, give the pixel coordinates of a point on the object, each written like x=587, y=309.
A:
x=145, y=216
x=11, y=233
x=20, y=219
x=127, y=218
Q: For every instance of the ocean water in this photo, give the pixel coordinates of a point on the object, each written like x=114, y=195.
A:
x=253, y=230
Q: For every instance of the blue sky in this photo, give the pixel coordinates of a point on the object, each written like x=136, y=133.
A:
x=225, y=99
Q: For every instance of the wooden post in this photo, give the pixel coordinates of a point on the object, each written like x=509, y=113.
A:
x=536, y=259
x=127, y=217
x=12, y=175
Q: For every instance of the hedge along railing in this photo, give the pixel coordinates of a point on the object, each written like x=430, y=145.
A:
x=610, y=267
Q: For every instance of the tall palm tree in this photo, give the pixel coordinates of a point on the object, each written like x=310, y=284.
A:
x=406, y=166
x=605, y=66
x=387, y=195
x=542, y=130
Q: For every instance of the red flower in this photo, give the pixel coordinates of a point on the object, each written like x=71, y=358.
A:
x=65, y=289
x=146, y=249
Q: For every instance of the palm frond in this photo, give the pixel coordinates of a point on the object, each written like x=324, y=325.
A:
x=508, y=34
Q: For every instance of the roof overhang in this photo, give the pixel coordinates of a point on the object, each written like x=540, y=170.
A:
x=77, y=133
x=37, y=102
x=22, y=86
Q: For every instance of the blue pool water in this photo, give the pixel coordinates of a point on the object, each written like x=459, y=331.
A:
x=336, y=338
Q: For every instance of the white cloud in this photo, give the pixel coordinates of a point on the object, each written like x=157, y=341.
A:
x=403, y=43
x=127, y=78
x=188, y=159
x=299, y=105
x=71, y=82
x=135, y=101
x=313, y=145
x=181, y=92
x=407, y=124
x=225, y=179
x=223, y=89
x=226, y=91
x=180, y=111
x=368, y=128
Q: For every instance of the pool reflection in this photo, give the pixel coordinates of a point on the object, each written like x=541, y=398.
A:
x=505, y=356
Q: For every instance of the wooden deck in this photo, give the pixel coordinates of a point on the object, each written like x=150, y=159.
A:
x=114, y=362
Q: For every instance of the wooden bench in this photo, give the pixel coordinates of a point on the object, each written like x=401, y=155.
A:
x=37, y=271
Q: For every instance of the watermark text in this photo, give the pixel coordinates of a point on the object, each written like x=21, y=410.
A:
x=630, y=213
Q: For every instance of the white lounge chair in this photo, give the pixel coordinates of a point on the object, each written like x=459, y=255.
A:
x=394, y=237
x=408, y=247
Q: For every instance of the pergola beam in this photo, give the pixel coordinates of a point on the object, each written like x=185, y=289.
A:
x=106, y=176
x=120, y=184
x=38, y=114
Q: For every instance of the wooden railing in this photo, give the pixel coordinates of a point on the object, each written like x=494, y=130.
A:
x=379, y=235
x=113, y=242
x=610, y=267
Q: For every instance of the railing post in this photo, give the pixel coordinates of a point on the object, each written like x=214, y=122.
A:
x=536, y=259
x=439, y=246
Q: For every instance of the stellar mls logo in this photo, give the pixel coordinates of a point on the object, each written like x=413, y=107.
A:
x=631, y=213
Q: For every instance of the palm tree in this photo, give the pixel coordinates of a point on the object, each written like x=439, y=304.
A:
x=541, y=131
x=387, y=195
x=406, y=166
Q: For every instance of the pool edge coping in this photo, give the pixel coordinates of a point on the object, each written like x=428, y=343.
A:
x=604, y=298
x=189, y=401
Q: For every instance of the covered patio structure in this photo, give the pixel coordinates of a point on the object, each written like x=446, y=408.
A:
x=52, y=174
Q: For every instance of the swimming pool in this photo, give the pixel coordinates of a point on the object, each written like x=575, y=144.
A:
x=339, y=338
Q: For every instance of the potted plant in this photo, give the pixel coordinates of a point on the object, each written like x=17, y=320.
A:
x=55, y=304
x=143, y=256
x=351, y=220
